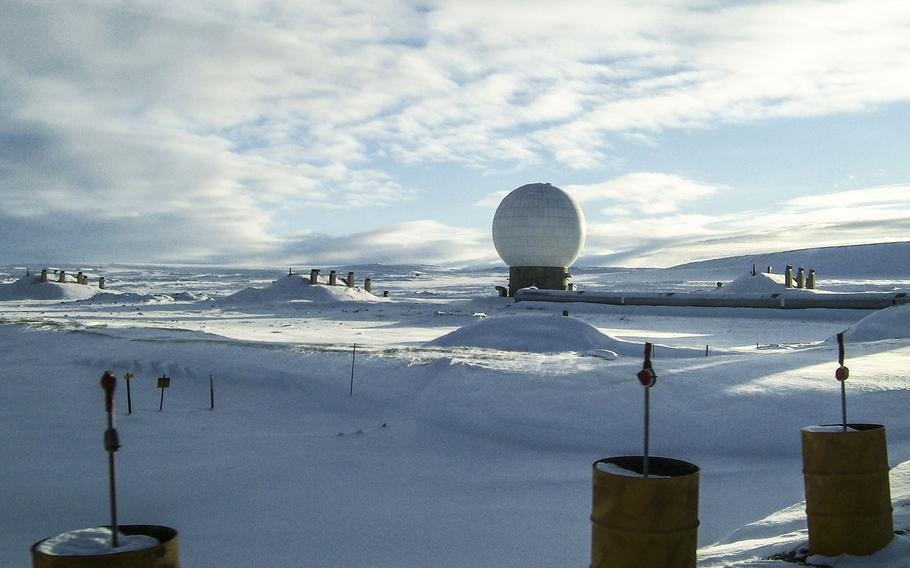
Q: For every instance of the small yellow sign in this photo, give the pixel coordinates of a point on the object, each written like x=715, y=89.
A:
x=164, y=382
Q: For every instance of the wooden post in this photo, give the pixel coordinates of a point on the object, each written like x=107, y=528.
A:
x=353, y=356
x=163, y=383
x=129, y=394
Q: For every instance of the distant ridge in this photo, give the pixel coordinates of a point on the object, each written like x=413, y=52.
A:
x=873, y=260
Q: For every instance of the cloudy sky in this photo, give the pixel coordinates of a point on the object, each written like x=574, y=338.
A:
x=248, y=132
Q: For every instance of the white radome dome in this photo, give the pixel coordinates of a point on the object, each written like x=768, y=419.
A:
x=538, y=225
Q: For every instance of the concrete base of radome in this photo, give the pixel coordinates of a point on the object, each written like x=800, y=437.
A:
x=542, y=277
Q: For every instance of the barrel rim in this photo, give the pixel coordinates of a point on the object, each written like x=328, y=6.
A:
x=162, y=533
x=858, y=427
x=667, y=468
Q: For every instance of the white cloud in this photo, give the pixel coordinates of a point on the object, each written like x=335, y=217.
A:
x=226, y=116
x=492, y=200
x=876, y=214
x=429, y=241
x=648, y=192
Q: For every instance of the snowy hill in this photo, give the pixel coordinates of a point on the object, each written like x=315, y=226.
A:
x=872, y=261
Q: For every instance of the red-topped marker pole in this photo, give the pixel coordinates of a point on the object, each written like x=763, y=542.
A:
x=842, y=373
x=111, y=444
x=647, y=378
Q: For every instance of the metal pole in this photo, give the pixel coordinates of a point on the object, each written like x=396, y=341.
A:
x=647, y=378
x=841, y=374
x=843, y=403
x=353, y=355
x=112, y=474
x=647, y=430
x=111, y=443
x=161, y=402
x=211, y=392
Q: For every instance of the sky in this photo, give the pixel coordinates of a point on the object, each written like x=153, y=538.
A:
x=259, y=133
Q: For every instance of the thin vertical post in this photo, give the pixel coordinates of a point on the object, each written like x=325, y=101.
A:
x=353, y=355
x=129, y=395
x=111, y=443
x=843, y=404
x=644, y=468
x=647, y=378
x=211, y=392
x=841, y=375
x=161, y=402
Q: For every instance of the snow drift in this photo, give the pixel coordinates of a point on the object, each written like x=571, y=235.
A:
x=889, y=323
x=296, y=289
x=544, y=334
x=31, y=288
x=113, y=297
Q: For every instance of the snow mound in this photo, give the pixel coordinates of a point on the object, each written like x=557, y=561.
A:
x=761, y=283
x=31, y=288
x=190, y=297
x=113, y=297
x=544, y=334
x=889, y=323
x=296, y=289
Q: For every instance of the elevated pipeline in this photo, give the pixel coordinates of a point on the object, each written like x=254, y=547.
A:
x=857, y=301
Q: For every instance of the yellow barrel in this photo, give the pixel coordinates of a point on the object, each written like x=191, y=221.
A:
x=644, y=521
x=162, y=556
x=848, y=495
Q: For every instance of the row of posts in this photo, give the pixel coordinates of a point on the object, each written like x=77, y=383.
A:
x=802, y=281
x=333, y=279
x=80, y=278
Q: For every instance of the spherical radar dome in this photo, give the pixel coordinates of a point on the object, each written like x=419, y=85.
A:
x=538, y=225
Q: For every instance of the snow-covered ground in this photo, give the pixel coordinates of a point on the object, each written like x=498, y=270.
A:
x=473, y=424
